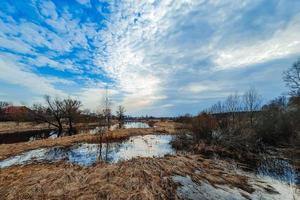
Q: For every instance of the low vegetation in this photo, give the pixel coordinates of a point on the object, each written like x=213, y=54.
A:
x=141, y=178
x=241, y=124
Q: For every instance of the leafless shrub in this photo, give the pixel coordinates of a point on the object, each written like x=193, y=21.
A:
x=292, y=79
x=121, y=115
x=274, y=123
x=70, y=109
x=252, y=102
x=203, y=126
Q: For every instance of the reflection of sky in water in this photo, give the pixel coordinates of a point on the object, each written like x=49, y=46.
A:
x=116, y=126
x=136, y=125
x=87, y=154
x=144, y=146
x=277, y=168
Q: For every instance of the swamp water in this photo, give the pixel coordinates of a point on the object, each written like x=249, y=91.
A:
x=126, y=125
x=28, y=136
x=274, y=178
x=88, y=154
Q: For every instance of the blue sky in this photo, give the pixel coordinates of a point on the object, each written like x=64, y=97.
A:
x=160, y=58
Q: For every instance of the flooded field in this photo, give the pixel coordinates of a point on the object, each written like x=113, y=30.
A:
x=136, y=125
x=126, y=125
x=88, y=154
x=28, y=136
x=273, y=178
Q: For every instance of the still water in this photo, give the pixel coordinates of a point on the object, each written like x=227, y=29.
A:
x=28, y=136
x=88, y=154
x=274, y=178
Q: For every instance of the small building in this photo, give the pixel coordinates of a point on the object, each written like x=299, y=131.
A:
x=16, y=110
x=16, y=113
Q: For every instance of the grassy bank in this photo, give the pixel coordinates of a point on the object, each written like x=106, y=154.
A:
x=141, y=178
x=7, y=150
x=15, y=127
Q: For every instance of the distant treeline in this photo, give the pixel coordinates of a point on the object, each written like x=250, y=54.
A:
x=242, y=120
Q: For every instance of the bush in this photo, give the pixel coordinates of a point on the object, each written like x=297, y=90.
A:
x=274, y=125
x=151, y=123
x=183, y=140
x=203, y=126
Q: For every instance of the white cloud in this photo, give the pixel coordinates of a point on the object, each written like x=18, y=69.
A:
x=147, y=44
x=156, y=53
x=283, y=43
x=167, y=105
x=200, y=87
x=48, y=9
x=93, y=97
x=85, y=2
x=14, y=74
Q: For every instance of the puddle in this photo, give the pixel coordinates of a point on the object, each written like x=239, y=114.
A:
x=88, y=154
x=8, y=138
x=136, y=125
x=126, y=125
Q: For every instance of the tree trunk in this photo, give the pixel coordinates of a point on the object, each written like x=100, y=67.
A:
x=60, y=130
x=70, y=126
x=251, y=119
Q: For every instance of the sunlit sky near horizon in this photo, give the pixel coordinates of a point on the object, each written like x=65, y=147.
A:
x=157, y=57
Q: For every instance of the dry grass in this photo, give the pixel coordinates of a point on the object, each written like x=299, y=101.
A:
x=7, y=150
x=14, y=127
x=11, y=127
x=141, y=178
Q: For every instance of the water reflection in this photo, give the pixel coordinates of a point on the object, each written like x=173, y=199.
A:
x=44, y=134
x=125, y=125
x=136, y=125
x=277, y=168
x=88, y=154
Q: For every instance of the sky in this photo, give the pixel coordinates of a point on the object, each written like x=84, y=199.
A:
x=156, y=57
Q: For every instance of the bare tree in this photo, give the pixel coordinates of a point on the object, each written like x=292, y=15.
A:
x=252, y=103
x=107, y=110
x=120, y=115
x=232, y=105
x=71, y=112
x=280, y=103
x=51, y=114
x=217, y=108
x=292, y=78
x=3, y=104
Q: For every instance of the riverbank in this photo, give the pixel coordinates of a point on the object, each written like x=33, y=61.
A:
x=207, y=173
x=140, y=178
x=20, y=127
x=7, y=150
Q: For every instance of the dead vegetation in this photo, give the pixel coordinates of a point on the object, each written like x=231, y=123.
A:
x=140, y=178
x=13, y=127
x=7, y=150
